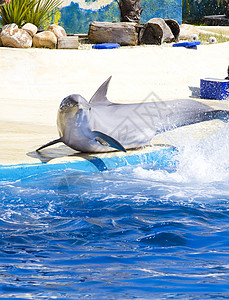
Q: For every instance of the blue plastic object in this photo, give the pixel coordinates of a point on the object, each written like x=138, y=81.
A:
x=212, y=88
x=106, y=46
x=190, y=45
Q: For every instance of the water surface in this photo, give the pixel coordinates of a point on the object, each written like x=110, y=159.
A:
x=134, y=233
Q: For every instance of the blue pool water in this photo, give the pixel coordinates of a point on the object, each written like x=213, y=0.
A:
x=137, y=232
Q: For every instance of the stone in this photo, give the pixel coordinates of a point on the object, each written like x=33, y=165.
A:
x=212, y=40
x=68, y=42
x=188, y=31
x=57, y=30
x=45, y=39
x=156, y=31
x=123, y=33
x=12, y=36
x=30, y=28
x=10, y=26
x=194, y=38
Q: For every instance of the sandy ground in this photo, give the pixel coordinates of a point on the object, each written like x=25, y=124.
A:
x=34, y=81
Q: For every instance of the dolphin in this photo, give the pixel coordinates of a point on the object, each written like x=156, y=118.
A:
x=102, y=126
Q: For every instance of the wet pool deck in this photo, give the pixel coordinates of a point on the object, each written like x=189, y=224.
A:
x=34, y=81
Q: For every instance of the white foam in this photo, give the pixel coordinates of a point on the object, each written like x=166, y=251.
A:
x=204, y=161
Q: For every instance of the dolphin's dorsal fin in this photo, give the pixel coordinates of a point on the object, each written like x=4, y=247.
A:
x=100, y=96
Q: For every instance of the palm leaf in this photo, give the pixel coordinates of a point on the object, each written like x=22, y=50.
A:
x=14, y=12
x=43, y=9
x=28, y=11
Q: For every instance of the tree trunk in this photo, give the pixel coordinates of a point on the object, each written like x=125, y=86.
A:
x=156, y=31
x=123, y=33
x=130, y=10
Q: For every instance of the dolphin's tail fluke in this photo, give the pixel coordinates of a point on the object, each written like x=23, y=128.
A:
x=50, y=144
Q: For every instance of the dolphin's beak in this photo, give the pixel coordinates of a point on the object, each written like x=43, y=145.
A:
x=69, y=110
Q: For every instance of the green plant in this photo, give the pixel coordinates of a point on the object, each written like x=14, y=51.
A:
x=53, y=18
x=15, y=12
x=43, y=9
x=28, y=11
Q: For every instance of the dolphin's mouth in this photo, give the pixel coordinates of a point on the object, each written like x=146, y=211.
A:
x=68, y=103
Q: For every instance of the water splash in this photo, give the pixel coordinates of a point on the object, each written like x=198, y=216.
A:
x=203, y=161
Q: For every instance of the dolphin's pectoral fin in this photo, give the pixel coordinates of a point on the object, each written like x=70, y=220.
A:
x=100, y=96
x=108, y=141
x=50, y=144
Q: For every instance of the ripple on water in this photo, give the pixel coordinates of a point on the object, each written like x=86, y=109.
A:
x=126, y=234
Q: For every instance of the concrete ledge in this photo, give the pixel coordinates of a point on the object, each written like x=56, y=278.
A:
x=216, y=20
x=68, y=42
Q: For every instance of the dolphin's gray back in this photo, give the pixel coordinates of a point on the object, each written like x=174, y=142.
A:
x=134, y=125
x=101, y=126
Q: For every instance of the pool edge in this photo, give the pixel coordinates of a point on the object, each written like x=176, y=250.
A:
x=161, y=158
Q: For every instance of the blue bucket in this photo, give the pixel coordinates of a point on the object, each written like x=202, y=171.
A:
x=212, y=88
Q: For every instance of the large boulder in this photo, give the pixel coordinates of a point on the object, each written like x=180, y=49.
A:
x=156, y=31
x=45, y=39
x=30, y=28
x=10, y=26
x=57, y=30
x=123, y=33
x=12, y=36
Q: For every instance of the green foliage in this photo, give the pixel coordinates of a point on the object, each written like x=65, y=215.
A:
x=76, y=19
x=196, y=10
x=28, y=11
x=15, y=12
x=54, y=17
x=42, y=10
